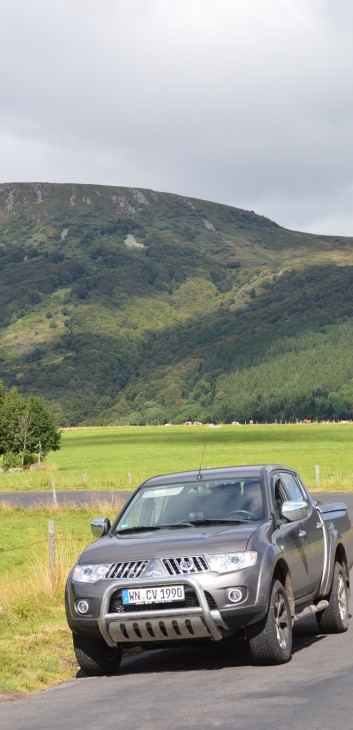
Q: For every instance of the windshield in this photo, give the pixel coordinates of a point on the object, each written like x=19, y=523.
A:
x=193, y=503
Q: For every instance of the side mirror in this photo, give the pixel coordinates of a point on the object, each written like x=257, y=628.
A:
x=100, y=526
x=294, y=511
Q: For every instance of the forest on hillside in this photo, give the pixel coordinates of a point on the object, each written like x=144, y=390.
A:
x=143, y=307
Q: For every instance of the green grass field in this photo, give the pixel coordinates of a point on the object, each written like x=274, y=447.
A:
x=103, y=458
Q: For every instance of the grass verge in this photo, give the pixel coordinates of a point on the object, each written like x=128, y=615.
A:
x=35, y=645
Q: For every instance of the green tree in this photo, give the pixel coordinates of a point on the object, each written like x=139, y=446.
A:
x=11, y=412
x=41, y=429
x=26, y=427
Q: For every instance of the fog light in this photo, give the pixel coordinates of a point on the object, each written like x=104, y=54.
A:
x=82, y=606
x=235, y=595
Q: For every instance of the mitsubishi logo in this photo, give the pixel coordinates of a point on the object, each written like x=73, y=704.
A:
x=187, y=564
x=153, y=571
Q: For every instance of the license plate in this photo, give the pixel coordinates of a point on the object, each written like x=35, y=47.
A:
x=157, y=594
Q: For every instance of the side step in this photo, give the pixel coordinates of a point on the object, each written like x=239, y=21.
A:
x=311, y=609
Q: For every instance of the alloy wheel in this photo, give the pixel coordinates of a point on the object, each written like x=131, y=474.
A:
x=281, y=621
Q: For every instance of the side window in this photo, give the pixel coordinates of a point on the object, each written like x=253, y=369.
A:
x=292, y=487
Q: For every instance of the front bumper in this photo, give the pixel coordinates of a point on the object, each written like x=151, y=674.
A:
x=206, y=619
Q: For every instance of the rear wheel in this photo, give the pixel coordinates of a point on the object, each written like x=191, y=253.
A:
x=270, y=640
x=334, y=618
x=95, y=657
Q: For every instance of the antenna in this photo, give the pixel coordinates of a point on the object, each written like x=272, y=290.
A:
x=199, y=476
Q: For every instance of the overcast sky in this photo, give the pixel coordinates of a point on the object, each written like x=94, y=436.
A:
x=244, y=102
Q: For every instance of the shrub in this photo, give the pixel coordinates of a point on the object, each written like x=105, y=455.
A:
x=29, y=459
x=11, y=460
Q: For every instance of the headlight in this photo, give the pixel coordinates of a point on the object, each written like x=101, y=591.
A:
x=228, y=562
x=90, y=573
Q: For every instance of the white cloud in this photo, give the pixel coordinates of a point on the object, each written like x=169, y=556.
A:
x=238, y=101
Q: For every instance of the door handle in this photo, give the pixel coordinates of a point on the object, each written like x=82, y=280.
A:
x=319, y=525
x=302, y=533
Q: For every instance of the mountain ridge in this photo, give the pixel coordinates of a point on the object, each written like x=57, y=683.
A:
x=130, y=305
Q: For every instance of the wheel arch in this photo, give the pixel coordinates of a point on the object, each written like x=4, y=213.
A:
x=281, y=572
x=335, y=552
x=274, y=567
x=341, y=557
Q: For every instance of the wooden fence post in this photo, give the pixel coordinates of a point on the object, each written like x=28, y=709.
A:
x=51, y=534
x=317, y=473
x=52, y=484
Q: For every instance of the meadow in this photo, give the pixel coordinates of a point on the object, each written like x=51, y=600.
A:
x=35, y=644
x=120, y=458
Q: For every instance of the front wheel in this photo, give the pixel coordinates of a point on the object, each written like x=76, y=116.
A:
x=95, y=657
x=334, y=618
x=271, y=640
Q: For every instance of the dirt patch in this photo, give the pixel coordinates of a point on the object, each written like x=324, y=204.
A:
x=7, y=696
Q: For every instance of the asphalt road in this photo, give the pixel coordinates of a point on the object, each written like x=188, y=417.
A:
x=204, y=687
x=213, y=686
x=78, y=497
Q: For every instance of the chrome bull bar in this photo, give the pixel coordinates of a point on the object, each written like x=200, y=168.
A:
x=161, y=625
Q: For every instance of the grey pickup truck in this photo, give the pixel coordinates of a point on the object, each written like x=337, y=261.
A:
x=206, y=555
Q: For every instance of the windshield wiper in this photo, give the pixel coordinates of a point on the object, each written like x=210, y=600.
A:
x=138, y=528
x=146, y=528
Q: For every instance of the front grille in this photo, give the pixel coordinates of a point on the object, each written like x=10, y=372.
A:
x=185, y=565
x=173, y=566
x=133, y=569
x=190, y=601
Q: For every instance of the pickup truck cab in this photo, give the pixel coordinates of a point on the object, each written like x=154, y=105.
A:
x=203, y=556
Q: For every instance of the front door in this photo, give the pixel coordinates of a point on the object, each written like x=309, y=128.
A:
x=303, y=540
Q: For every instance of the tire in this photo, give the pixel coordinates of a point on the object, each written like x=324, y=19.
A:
x=95, y=657
x=270, y=640
x=334, y=618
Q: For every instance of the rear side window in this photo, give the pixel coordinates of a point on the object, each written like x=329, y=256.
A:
x=292, y=487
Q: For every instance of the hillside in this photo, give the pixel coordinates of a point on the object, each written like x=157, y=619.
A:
x=130, y=306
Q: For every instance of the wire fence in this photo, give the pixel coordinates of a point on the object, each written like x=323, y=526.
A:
x=52, y=542
x=42, y=542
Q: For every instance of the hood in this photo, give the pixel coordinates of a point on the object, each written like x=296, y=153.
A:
x=169, y=543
